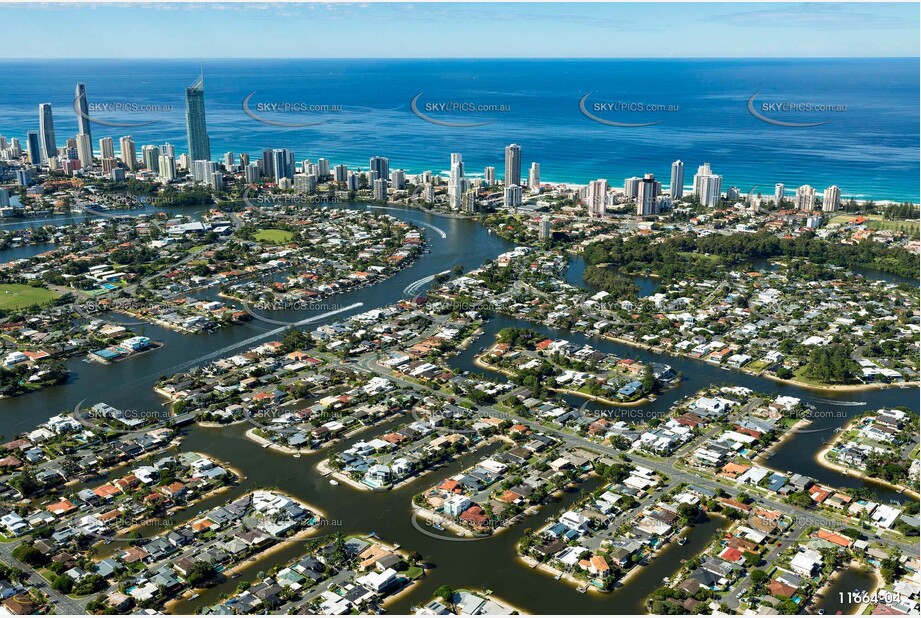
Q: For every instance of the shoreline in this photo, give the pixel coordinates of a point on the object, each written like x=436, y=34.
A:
x=770, y=376
x=821, y=459
x=766, y=454
x=477, y=360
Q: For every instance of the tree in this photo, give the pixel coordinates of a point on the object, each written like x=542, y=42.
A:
x=446, y=594
x=29, y=555
x=758, y=577
x=63, y=584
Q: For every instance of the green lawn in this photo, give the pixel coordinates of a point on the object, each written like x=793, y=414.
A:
x=277, y=237
x=16, y=296
x=877, y=222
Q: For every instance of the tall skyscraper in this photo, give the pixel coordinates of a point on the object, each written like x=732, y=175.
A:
x=543, y=232
x=128, y=151
x=456, y=182
x=831, y=199
x=380, y=168
x=46, y=131
x=511, y=196
x=707, y=186
x=168, y=149
x=512, y=165
x=469, y=205
x=106, y=148
x=596, y=198
x=282, y=164
x=534, y=178
x=196, y=129
x=647, y=194
x=489, y=176
x=229, y=159
x=631, y=186
x=84, y=150
x=379, y=189
x=151, y=156
x=341, y=173
x=167, y=167
x=35, y=148
x=83, y=111
x=676, y=188
x=805, y=198
x=398, y=179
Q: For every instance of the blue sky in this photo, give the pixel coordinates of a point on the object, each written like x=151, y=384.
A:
x=496, y=30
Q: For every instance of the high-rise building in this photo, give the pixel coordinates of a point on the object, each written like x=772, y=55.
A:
x=244, y=159
x=230, y=159
x=128, y=152
x=84, y=150
x=544, y=230
x=167, y=167
x=168, y=149
x=380, y=168
x=707, y=186
x=596, y=198
x=456, y=182
x=676, y=188
x=83, y=111
x=106, y=148
x=23, y=177
x=534, y=178
x=398, y=179
x=631, y=186
x=805, y=198
x=196, y=128
x=46, y=131
x=35, y=148
x=511, y=196
x=831, y=199
x=512, y=165
x=305, y=183
x=489, y=176
x=379, y=191
x=252, y=172
x=151, y=156
x=341, y=173
x=351, y=181
x=469, y=202
x=323, y=168
x=4, y=197
x=778, y=193
x=281, y=164
x=732, y=194
x=203, y=170
x=109, y=164
x=647, y=195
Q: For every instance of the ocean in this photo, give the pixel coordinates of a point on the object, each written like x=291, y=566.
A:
x=867, y=144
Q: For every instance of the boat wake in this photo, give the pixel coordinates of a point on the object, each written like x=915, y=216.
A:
x=415, y=286
x=836, y=402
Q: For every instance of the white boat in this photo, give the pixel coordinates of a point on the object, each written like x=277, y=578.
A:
x=333, y=482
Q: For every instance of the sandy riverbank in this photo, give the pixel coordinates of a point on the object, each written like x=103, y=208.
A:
x=763, y=456
x=324, y=470
x=266, y=443
x=759, y=374
x=822, y=459
x=477, y=360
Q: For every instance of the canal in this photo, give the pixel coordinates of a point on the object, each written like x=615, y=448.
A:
x=488, y=564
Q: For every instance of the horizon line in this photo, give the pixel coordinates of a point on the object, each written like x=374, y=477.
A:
x=443, y=58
